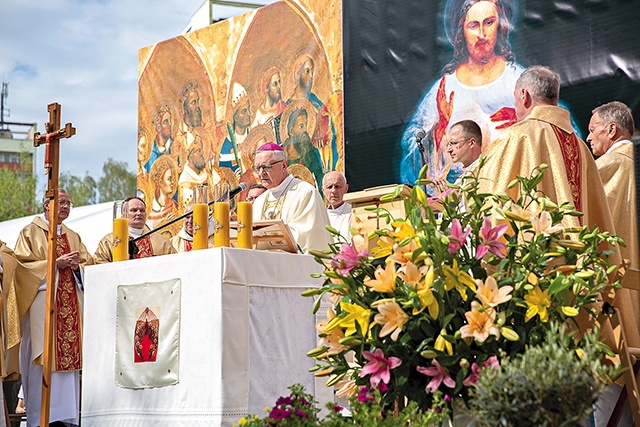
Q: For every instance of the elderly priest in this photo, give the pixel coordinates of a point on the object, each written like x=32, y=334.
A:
x=296, y=202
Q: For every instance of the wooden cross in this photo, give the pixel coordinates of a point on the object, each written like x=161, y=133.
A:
x=52, y=167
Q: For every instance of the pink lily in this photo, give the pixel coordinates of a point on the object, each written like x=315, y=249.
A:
x=440, y=375
x=491, y=362
x=491, y=239
x=378, y=367
x=348, y=258
x=457, y=237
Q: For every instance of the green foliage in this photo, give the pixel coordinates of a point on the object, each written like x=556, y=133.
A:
x=117, y=182
x=553, y=384
x=82, y=190
x=300, y=410
x=17, y=191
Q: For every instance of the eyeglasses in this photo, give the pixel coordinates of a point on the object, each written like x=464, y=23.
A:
x=265, y=168
x=456, y=144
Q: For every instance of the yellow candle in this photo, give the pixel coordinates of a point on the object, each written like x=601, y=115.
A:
x=200, y=226
x=120, y=239
x=221, y=224
x=245, y=225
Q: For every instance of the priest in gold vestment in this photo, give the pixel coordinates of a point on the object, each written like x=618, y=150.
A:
x=296, y=202
x=26, y=304
x=543, y=134
x=7, y=268
x=610, y=130
x=153, y=245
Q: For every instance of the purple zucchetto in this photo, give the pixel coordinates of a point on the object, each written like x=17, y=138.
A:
x=269, y=146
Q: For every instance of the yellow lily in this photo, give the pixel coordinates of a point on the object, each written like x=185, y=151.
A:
x=458, y=279
x=538, y=301
x=385, y=280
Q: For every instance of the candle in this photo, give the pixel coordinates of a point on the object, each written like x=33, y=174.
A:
x=221, y=224
x=245, y=225
x=120, y=239
x=200, y=226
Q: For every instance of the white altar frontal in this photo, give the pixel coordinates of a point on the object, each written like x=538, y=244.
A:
x=229, y=333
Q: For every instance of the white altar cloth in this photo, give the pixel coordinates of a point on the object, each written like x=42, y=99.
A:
x=244, y=334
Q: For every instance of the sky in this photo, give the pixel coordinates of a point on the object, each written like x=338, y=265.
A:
x=83, y=54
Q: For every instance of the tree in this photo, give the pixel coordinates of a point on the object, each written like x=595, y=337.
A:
x=17, y=192
x=117, y=181
x=81, y=190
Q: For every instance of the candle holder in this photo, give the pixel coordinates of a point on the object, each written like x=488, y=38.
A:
x=221, y=215
x=120, y=231
x=200, y=217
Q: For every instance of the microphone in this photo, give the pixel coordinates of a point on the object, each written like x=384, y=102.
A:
x=233, y=193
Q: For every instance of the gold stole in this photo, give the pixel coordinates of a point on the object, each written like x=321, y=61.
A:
x=67, y=327
x=571, y=155
x=272, y=209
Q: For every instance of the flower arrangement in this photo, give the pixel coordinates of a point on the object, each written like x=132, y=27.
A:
x=448, y=292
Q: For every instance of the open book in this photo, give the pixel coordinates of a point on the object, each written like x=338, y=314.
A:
x=268, y=235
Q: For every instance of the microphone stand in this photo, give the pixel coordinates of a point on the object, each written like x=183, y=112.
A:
x=419, y=137
x=133, y=248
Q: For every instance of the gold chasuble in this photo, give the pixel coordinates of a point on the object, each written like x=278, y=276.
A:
x=31, y=252
x=9, y=264
x=616, y=168
x=153, y=245
x=546, y=136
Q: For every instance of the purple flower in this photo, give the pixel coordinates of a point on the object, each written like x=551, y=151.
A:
x=382, y=387
x=440, y=375
x=284, y=401
x=337, y=408
x=457, y=237
x=491, y=362
x=364, y=395
x=491, y=239
x=301, y=414
x=279, y=414
x=378, y=366
x=348, y=258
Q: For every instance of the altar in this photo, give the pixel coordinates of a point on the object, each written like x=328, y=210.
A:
x=243, y=333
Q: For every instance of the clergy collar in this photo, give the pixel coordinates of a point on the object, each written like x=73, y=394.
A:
x=472, y=165
x=136, y=232
x=46, y=220
x=617, y=144
x=184, y=235
x=282, y=187
x=339, y=210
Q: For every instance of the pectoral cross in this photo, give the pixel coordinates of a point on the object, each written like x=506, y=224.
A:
x=52, y=168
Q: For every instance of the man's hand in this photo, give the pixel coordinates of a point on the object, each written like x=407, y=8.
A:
x=70, y=260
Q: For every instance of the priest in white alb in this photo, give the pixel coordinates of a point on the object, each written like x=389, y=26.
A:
x=334, y=187
x=296, y=202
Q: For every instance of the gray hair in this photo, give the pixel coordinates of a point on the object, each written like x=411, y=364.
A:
x=618, y=113
x=46, y=199
x=542, y=83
